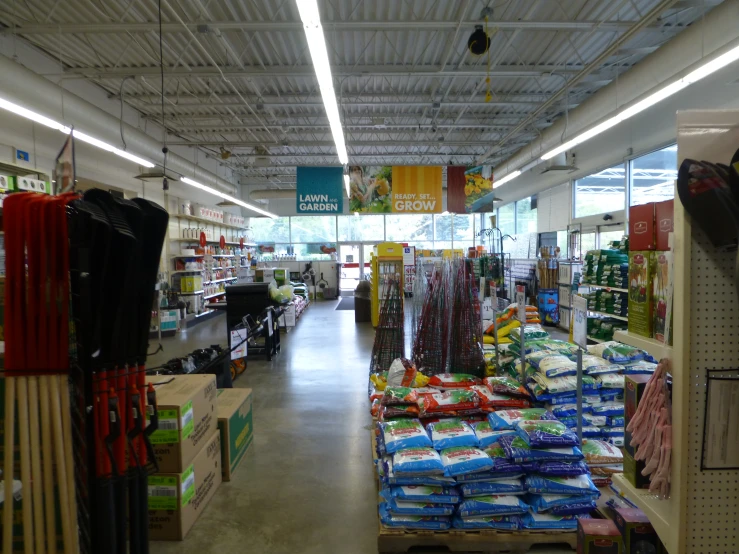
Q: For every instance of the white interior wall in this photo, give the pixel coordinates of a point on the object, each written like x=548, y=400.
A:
x=553, y=209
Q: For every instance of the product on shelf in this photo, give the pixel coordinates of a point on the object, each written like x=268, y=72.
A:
x=641, y=301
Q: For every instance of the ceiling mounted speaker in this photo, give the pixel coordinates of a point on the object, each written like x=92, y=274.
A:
x=479, y=41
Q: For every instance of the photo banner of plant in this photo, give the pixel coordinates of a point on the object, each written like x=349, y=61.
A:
x=470, y=190
x=370, y=189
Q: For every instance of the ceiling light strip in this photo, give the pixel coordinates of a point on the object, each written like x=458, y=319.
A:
x=228, y=197
x=317, y=45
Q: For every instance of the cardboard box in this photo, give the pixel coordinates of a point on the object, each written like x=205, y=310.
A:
x=264, y=275
x=642, y=232
x=235, y=425
x=176, y=500
x=641, y=299
x=661, y=285
x=664, y=223
x=636, y=531
x=187, y=417
x=633, y=392
x=598, y=536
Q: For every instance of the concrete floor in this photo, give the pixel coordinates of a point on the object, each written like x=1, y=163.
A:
x=306, y=483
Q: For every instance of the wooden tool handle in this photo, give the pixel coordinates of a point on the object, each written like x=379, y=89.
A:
x=61, y=466
x=67, y=430
x=48, y=468
x=36, y=486
x=22, y=383
x=8, y=463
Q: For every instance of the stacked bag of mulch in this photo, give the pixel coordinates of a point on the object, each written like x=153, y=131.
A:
x=606, y=267
x=603, y=459
x=604, y=327
x=507, y=322
x=610, y=302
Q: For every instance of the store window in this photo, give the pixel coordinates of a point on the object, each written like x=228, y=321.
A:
x=609, y=236
x=601, y=192
x=653, y=176
x=363, y=228
x=525, y=217
x=266, y=229
x=310, y=252
x=588, y=242
x=410, y=228
x=443, y=228
x=507, y=219
x=464, y=229
x=313, y=228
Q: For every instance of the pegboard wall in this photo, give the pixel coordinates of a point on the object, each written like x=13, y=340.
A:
x=707, y=306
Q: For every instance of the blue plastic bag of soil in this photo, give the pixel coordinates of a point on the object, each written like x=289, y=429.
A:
x=546, y=434
x=388, y=476
x=574, y=509
x=506, y=419
x=642, y=367
x=501, y=523
x=501, y=463
x=562, y=469
x=615, y=421
x=448, y=434
x=489, y=476
x=417, y=461
x=486, y=436
x=508, y=505
x=507, y=486
x=609, y=409
x=590, y=432
x=432, y=495
x=540, y=484
x=407, y=508
x=436, y=523
x=404, y=433
x=548, y=521
x=518, y=451
x=569, y=410
x=464, y=459
x=547, y=502
x=611, y=395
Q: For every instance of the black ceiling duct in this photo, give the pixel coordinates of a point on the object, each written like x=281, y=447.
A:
x=479, y=41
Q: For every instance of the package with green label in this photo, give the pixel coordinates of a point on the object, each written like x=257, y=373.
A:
x=176, y=500
x=662, y=285
x=641, y=296
x=187, y=417
x=235, y=425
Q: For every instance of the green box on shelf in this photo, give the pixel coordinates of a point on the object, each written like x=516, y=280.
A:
x=641, y=295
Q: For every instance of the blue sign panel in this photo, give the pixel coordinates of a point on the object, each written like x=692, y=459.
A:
x=320, y=190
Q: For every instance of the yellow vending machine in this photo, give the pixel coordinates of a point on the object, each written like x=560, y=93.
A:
x=387, y=265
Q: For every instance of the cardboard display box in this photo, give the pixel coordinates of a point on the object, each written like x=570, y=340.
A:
x=661, y=286
x=664, y=223
x=187, y=417
x=633, y=392
x=642, y=234
x=176, y=500
x=636, y=530
x=235, y=425
x=598, y=536
x=641, y=298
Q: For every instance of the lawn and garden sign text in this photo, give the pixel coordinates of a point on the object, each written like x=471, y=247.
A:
x=320, y=190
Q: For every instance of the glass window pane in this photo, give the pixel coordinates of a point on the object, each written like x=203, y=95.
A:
x=266, y=229
x=653, y=176
x=525, y=217
x=442, y=245
x=506, y=221
x=607, y=237
x=562, y=242
x=588, y=242
x=464, y=227
x=422, y=244
x=442, y=227
x=601, y=192
x=310, y=252
x=361, y=228
x=313, y=228
x=409, y=228
x=463, y=245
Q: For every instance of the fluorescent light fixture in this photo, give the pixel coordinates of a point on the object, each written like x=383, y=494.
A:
x=33, y=116
x=228, y=197
x=507, y=178
x=665, y=92
x=109, y=148
x=346, y=184
x=317, y=45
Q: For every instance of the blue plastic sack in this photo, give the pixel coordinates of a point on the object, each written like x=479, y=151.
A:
x=548, y=521
x=404, y=433
x=502, y=523
x=487, y=488
x=464, y=459
x=436, y=523
x=501, y=463
x=609, y=432
x=541, y=484
x=408, y=508
x=615, y=421
x=547, y=502
x=569, y=410
x=448, y=434
x=590, y=432
x=574, y=509
x=419, y=493
x=387, y=476
x=546, y=434
x=518, y=451
x=505, y=419
x=562, y=469
x=417, y=461
x=642, y=367
x=486, y=436
x=490, y=476
x=611, y=395
x=609, y=409
x=492, y=506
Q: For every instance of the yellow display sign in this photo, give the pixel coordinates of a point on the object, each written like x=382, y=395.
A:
x=416, y=189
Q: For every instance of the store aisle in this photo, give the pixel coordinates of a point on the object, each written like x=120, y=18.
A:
x=306, y=484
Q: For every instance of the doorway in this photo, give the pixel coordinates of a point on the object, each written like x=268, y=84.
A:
x=351, y=258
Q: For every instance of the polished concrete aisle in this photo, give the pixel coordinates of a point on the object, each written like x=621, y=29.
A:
x=306, y=484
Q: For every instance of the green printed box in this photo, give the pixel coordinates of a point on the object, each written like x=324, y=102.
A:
x=235, y=425
x=641, y=294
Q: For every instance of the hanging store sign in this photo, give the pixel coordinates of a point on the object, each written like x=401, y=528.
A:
x=320, y=190
x=395, y=189
x=469, y=190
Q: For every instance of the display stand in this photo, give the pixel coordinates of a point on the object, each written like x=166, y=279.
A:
x=700, y=515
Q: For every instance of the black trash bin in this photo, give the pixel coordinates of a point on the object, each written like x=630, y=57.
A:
x=362, y=303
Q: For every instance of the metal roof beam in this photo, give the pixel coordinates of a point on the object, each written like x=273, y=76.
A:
x=205, y=27
x=327, y=143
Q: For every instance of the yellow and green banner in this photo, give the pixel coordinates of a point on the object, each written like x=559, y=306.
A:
x=395, y=189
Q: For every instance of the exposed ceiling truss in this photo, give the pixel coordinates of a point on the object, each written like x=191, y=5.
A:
x=239, y=80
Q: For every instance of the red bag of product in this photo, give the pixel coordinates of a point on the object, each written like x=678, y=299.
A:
x=399, y=395
x=506, y=385
x=401, y=373
x=453, y=381
x=399, y=411
x=448, y=401
x=490, y=401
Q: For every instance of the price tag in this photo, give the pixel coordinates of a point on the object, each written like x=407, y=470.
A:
x=580, y=322
x=521, y=301
x=486, y=311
